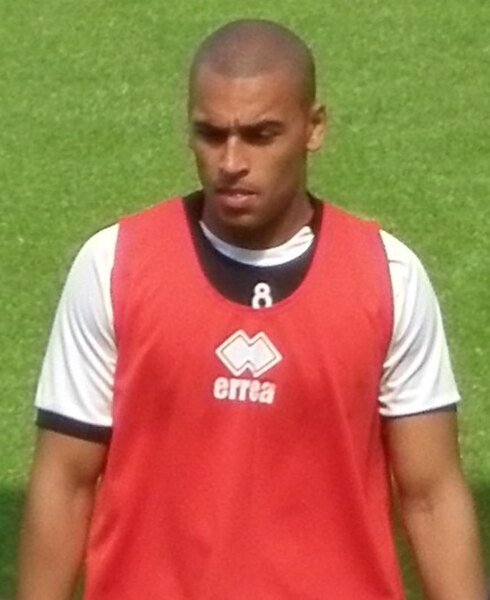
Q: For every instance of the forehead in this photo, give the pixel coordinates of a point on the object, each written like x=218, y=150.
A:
x=225, y=100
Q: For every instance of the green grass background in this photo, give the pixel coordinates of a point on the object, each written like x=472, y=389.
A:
x=92, y=125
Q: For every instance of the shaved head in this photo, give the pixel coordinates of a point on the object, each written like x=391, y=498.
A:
x=253, y=120
x=253, y=47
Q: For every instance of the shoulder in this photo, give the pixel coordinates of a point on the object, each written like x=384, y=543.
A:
x=405, y=266
x=411, y=286
x=99, y=248
x=417, y=373
x=76, y=381
x=86, y=304
x=399, y=253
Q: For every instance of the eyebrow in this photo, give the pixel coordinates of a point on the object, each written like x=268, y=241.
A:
x=255, y=126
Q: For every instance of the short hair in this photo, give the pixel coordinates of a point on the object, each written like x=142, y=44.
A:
x=251, y=47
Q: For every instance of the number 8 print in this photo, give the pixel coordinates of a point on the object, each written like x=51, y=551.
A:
x=262, y=296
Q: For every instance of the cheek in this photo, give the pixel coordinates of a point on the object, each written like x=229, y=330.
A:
x=283, y=167
x=204, y=163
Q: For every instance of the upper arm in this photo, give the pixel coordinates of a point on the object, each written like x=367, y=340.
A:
x=65, y=462
x=423, y=454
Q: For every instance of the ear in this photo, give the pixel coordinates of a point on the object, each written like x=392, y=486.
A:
x=317, y=127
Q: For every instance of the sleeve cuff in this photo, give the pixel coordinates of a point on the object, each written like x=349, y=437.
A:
x=46, y=419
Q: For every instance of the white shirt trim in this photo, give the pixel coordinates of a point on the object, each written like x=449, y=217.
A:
x=270, y=257
x=77, y=375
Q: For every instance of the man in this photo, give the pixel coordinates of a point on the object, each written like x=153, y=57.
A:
x=232, y=376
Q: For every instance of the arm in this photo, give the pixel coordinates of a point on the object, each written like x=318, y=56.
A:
x=436, y=505
x=57, y=514
x=74, y=398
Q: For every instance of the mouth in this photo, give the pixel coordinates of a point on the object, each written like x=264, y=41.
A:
x=235, y=198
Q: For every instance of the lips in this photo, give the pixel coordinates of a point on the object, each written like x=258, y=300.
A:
x=235, y=198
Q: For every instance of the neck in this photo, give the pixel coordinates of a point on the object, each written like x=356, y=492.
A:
x=245, y=233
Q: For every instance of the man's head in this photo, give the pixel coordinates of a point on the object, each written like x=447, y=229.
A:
x=253, y=119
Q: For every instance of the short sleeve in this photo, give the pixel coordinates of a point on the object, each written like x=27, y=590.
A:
x=417, y=375
x=77, y=376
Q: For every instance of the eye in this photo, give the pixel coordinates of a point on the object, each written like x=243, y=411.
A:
x=259, y=136
x=210, y=135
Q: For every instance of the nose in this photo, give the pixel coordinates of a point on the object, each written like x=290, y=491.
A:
x=234, y=163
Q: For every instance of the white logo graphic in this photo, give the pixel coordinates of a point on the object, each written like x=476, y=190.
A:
x=240, y=352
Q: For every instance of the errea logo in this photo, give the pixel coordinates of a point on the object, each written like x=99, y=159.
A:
x=240, y=353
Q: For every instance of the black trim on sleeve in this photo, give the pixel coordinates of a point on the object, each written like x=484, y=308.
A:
x=445, y=408
x=46, y=419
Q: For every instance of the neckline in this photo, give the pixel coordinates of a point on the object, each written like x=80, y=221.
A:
x=293, y=248
x=206, y=285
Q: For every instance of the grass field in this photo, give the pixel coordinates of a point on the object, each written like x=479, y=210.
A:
x=93, y=126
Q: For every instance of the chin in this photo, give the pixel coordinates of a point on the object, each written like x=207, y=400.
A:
x=247, y=232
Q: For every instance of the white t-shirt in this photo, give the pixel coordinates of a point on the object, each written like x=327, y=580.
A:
x=77, y=377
